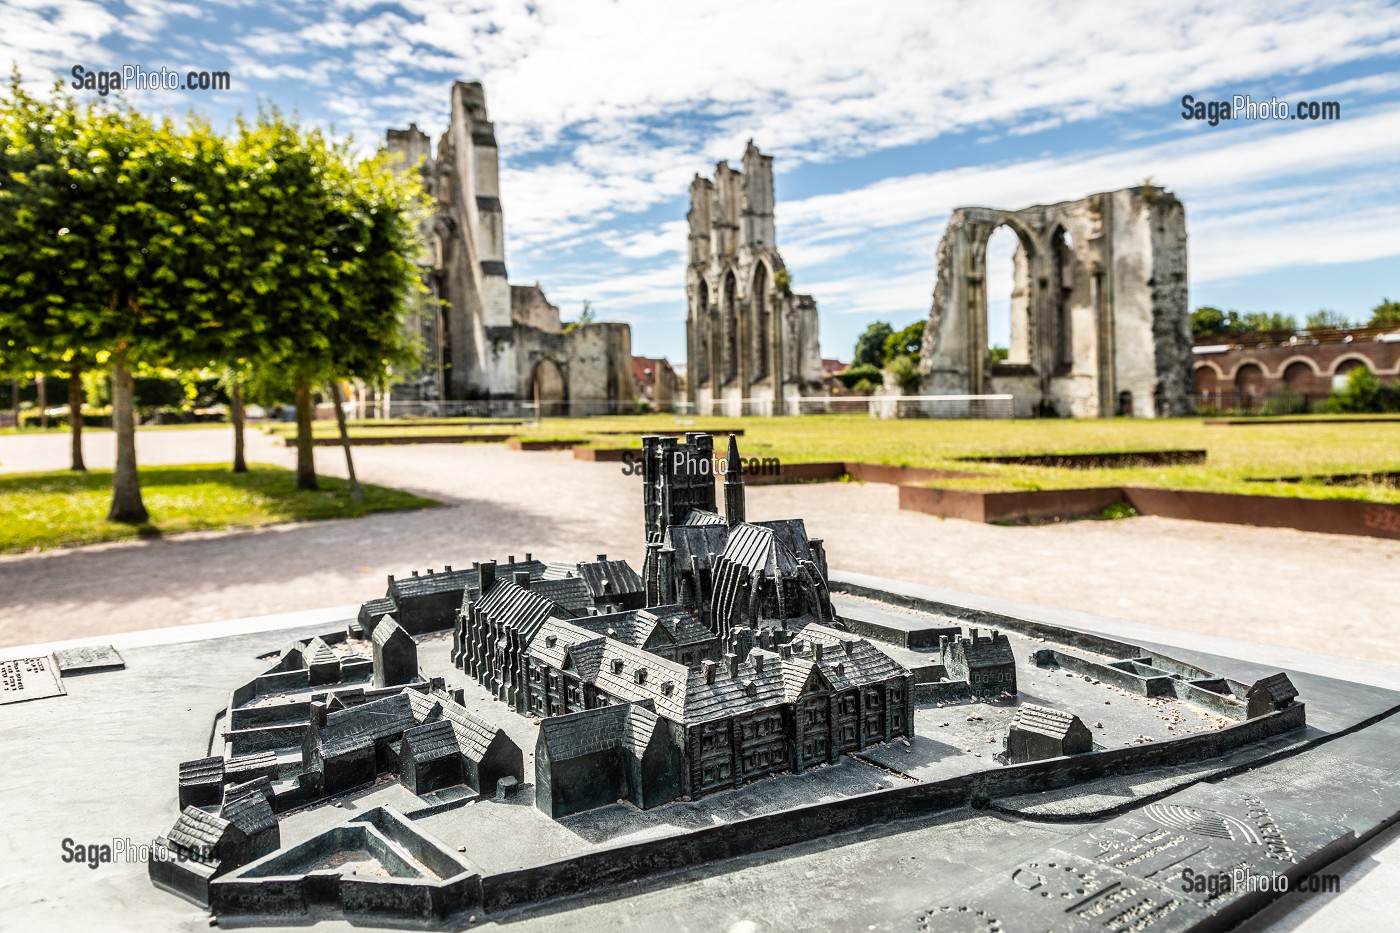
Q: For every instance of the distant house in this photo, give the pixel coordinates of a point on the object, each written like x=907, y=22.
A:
x=1039, y=732
x=831, y=369
x=656, y=381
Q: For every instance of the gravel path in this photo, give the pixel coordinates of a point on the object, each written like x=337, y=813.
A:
x=1332, y=592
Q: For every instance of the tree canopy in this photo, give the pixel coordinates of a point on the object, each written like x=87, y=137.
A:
x=870, y=346
x=126, y=242
x=1385, y=314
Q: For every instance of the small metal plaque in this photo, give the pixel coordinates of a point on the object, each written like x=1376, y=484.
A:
x=88, y=658
x=29, y=679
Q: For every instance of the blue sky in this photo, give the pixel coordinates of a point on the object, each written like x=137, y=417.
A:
x=881, y=119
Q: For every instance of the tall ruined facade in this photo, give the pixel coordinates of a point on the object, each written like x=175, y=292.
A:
x=1099, y=318
x=493, y=340
x=752, y=345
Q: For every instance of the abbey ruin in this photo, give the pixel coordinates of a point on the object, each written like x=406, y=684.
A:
x=751, y=343
x=1099, y=318
x=491, y=339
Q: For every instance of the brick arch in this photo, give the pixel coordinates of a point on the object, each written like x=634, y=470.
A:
x=1233, y=374
x=1299, y=374
x=1250, y=379
x=1206, y=378
x=1305, y=360
x=1340, y=367
x=1212, y=365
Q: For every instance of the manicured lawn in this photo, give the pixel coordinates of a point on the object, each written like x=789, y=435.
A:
x=43, y=510
x=1235, y=454
x=87, y=428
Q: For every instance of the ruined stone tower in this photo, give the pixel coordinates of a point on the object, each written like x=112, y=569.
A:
x=500, y=341
x=752, y=345
x=1099, y=317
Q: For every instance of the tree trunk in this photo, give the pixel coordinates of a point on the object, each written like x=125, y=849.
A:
x=43, y=402
x=14, y=401
x=306, y=460
x=345, y=442
x=75, y=417
x=127, y=506
x=235, y=410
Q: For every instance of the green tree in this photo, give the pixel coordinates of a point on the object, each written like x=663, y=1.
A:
x=331, y=265
x=1385, y=314
x=38, y=334
x=121, y=258
x=860, y=373
x=1207, y=320
x=1327, y=318
x=1255, y=322
x=905, y=371
x=1360, y=394
x=870, y=346
x=904, y=342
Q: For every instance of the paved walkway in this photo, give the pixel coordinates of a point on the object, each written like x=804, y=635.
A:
x=1333, y=593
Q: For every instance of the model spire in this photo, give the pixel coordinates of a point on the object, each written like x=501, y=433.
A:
x=734, y=484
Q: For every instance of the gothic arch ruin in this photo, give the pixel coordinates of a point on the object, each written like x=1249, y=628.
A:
x=1099, y=319
x=751, y=344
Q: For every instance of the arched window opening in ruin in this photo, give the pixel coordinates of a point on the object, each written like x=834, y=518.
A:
x=759, y=332
x=1062, y=293
x=703, y=326
x=1008, y=306
x=1125, y=404
x=547, y=389
x=730, y=328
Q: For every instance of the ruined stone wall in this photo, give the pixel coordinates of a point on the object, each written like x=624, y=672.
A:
x=494, y=337
x=599, y=368
x=530, y=308
x=752, y=345
x=1099, y=316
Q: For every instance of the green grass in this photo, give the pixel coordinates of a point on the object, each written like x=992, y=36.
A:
x=325, y=428
x=45, y=510
x=1234, y=454
x=63, y=428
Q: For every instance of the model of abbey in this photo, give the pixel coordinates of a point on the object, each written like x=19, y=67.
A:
x=1099, y=318
x=721, y=662
x=752, y=345
x=484, y=337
